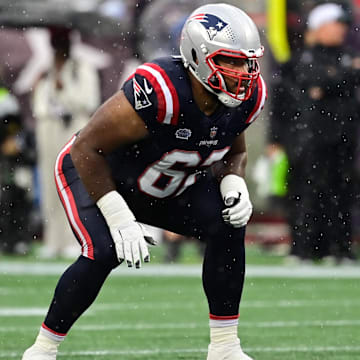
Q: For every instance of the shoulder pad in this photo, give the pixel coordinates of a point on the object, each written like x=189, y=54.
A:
x=153, y=89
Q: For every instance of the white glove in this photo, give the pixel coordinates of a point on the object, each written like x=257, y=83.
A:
x=129, y=236
x=236, y=197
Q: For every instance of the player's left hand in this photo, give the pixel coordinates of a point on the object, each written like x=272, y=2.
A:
x=236, y=197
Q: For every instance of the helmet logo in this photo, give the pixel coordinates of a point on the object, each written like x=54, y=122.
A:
x=211, y=23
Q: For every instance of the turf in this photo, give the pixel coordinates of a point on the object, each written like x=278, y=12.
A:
x=165, y=318
x=189, y=254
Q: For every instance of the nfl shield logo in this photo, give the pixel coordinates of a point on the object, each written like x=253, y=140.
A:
x=213, y=132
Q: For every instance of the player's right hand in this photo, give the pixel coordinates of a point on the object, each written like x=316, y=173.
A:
x=131, y=243
x=129, y=236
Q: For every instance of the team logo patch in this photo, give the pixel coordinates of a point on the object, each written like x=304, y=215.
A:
x=141, y=96
x=211, y=23
x=183, y=134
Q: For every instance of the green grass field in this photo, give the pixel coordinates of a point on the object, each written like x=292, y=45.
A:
x=166, y=318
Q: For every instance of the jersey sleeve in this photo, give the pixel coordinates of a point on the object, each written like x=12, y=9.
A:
x=256, y=103
x=152, y=95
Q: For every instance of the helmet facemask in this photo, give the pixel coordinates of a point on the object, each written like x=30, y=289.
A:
x=243, y=81
x=226, y=31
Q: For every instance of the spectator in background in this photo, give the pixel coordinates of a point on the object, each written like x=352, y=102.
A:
x=15, y=178
x=290, y=135
x=315, y=120
x=63, y=100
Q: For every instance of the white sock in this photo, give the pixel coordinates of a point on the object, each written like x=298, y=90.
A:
x=224, y=335
x=47, y=343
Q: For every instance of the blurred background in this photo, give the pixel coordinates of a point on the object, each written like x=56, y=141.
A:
x=60, y=59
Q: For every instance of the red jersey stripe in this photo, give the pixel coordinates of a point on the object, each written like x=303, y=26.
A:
x=72, y=212
x=159, y=92
x=173, y=92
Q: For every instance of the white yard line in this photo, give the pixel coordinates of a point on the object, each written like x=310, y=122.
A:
x=303, y=349
x=24, y=268
x=196, y=325
x=104, y=307
x=22, y=311
x=244, y=304
x=248, y=324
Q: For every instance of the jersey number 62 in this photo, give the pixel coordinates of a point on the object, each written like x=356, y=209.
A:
x=175, y=171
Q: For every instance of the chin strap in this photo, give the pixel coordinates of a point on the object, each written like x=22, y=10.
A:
x=228, y=100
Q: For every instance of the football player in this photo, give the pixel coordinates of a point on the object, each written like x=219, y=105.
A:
x=167, y=150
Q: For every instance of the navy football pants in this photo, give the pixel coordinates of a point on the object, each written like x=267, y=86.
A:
x=196, y=212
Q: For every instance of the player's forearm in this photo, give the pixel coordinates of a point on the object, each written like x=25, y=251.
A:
x=231, y=164
x=93, y=169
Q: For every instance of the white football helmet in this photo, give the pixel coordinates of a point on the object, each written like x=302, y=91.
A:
x=221, y=29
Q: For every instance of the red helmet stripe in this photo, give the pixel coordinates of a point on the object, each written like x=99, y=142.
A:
x=198, y=16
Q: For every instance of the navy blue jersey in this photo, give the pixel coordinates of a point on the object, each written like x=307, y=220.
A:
x=182, y=140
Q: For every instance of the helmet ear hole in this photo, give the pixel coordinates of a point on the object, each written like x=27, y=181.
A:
x=194, y=56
